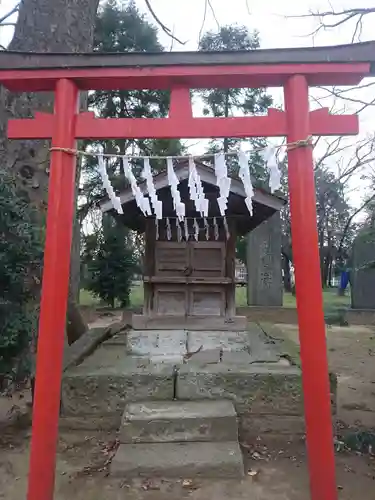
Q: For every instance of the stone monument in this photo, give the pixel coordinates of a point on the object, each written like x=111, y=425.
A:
x=363, y=271
x=263, y=253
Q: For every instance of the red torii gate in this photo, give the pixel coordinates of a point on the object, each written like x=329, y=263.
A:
x=66, y=75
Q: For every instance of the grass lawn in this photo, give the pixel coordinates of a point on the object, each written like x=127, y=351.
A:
x=86, y=298
x=330, y=298
x=136, y=296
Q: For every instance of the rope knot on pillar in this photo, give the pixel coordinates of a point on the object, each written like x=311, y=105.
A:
x=301, y=143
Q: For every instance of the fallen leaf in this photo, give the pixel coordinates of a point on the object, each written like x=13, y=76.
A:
x=149, y=485
x=247, y=446
x=252, y=473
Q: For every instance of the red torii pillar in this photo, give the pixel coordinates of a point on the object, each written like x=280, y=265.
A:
x=66, y=126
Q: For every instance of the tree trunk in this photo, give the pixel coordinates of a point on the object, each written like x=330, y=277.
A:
x=75, y=325
x=330, y=272
x=44, y=26
x=321, y=254
x=325, y=270
x=286, y=278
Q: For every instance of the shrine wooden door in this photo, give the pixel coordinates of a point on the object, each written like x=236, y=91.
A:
x=189, y=278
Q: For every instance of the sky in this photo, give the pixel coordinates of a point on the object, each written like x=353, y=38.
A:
x=277, y=27
x=271, y=18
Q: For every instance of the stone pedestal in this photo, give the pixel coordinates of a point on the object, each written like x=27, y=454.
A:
x=172, y=386
x=264, y=286
x=205, y=323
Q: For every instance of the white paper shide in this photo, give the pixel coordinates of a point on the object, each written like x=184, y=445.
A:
x=115, y=200
x=151, y=205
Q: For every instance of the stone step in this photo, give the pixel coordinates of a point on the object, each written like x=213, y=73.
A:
x=178, y=460
x=178, y=421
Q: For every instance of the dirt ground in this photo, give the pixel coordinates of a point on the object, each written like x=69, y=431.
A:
x=351, y=354
x=277, y=471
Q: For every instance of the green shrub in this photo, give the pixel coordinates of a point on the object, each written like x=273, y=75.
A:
x=20, y=263
x=112, y=265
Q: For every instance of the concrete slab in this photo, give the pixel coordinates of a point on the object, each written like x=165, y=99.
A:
x=255, y=388
x=157, y=342
x=204, y=357
x=259, y=355
x=272, y=332
x=284, y=362
x=87, y=343
x=254, y=329
x=178, y=421
x=94, y=422
x=247, y=347
x=237, y=357
x=108, y=379
x=180, y=460
x=288, y=427
x=263, y=348
x=227, y=341
x=120, y=339
x=203, y=323
x=109, y=357
x=171, y=359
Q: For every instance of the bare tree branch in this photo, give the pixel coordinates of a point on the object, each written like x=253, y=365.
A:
x=161, y=24
x=9, y=14
x=339, y=93
x=203, y=20
x=333, y=148
x=347, y=13
x=317, y=101
x=358, y=87
x=350, y=220
x=247, y=7
x=213, y=13
x=364, y=155
x=335, y=216
x=172, y=39
x=331, y=19
x=358, y=28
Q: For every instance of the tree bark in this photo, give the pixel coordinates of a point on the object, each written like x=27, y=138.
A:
x=286, y=278
x=44, y=26
x=330, y=271
x=75, y=325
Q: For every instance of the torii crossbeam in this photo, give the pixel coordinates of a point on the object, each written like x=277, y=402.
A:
x=66, y=75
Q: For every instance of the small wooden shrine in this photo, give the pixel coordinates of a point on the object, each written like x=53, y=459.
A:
x=189, y=265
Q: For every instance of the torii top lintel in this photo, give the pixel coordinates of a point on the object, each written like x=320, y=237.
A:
x=180, y=72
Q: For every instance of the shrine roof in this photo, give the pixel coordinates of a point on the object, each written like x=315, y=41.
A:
x=265, y=204
x=341, y=64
